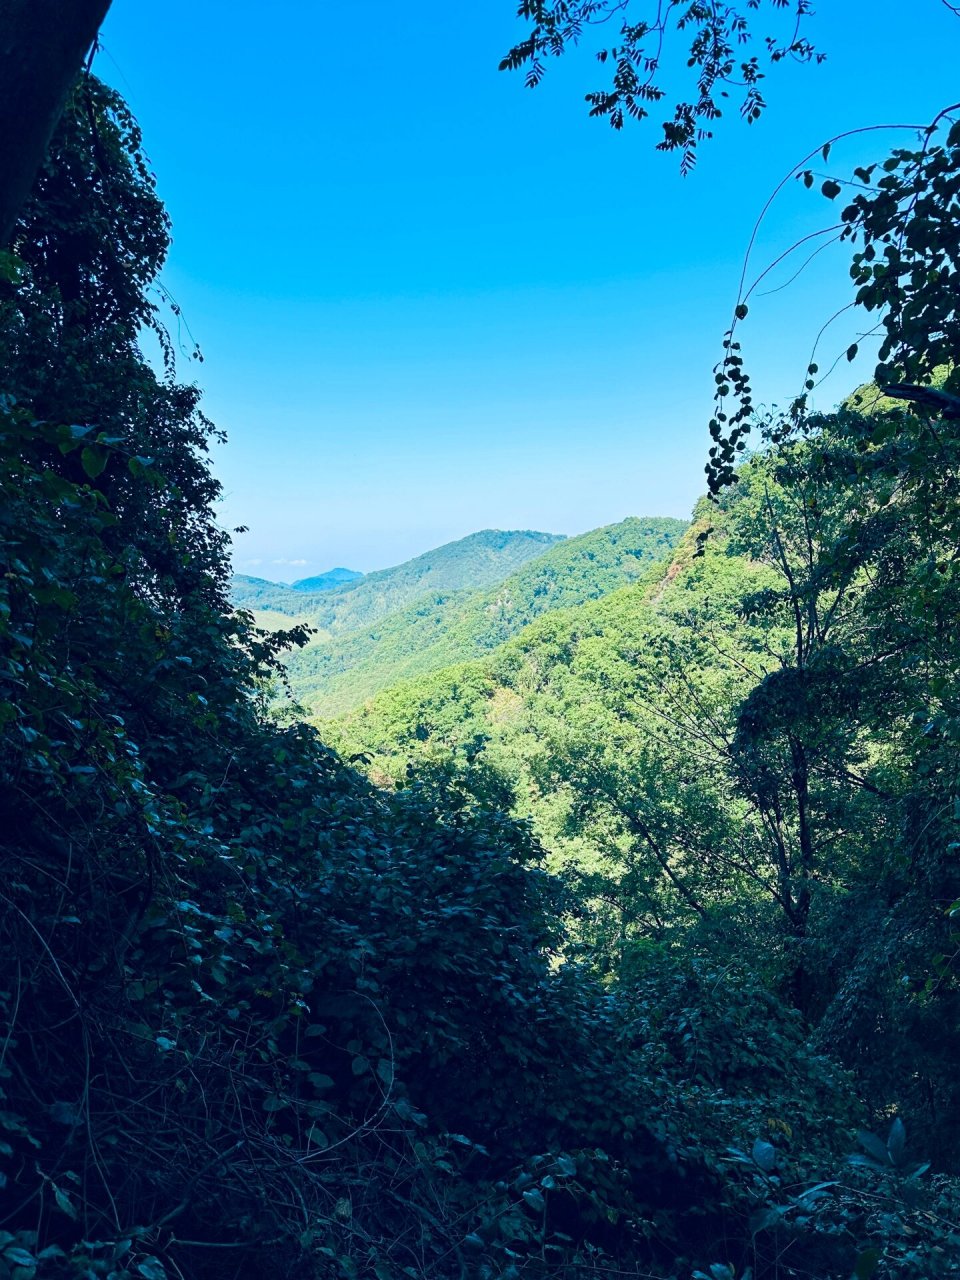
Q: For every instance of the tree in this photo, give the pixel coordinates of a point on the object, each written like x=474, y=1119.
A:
x=42, y=47
x=718, y=37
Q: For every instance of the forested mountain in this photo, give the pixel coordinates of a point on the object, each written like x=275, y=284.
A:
x=262, y=595
x=259, y=595
x=334, y=675
x=324, y=581
x=749, y=751
x=479, y=560
x=262, y=1016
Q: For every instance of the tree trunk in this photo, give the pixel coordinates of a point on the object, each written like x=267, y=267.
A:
x=42, y=47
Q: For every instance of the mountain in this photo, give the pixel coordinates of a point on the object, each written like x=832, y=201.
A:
x=259, y=594
x=480, y=560
x=324, y=581
x=336, y=673
x=587, y=718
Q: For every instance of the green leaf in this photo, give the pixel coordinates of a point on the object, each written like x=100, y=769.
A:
x=764, y=1155
x=535, y=1200
x=18, y=1257
x=873, y=1146
x=831, y=189
x=64, y=1203
x=93, y=461
x=152, y=1268
x=896, y=1141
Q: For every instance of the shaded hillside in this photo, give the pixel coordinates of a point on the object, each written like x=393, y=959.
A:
x=332, y=676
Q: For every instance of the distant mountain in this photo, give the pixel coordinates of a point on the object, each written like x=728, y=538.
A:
x=259, y=594
x=480, y=560
x=338, y=672
x=324, y=581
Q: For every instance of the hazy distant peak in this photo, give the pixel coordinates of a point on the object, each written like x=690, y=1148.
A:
x=324, y=581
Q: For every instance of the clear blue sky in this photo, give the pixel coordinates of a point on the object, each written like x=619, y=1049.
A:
x=432, y=301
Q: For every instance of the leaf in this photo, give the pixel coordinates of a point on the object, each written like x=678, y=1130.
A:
x=896, y=1141
x=873, y=1146
x=93, y=461
x=67, y=1113
x=535, y=1200
x=831, y=189
x=152, y=1268
x=764, y=1155
x=18, y=1257
x=274, y=1103
x=817, y=1192
x=741, y=311
x=64, y=1203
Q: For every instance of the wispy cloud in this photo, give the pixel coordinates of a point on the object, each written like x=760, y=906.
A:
x=250, y=564
x=294, y=563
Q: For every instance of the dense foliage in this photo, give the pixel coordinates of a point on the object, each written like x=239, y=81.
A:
x=750, y=758
x=261, y=1016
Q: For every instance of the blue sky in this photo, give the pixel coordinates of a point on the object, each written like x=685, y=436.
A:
x=431, y=301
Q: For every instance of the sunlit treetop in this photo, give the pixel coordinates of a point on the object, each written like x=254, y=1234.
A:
x=718, y=43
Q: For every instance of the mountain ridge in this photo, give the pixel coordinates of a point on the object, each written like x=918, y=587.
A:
x=480, y=559
x=337, y=672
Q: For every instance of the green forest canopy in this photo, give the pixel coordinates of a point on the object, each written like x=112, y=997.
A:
x=335, y=672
